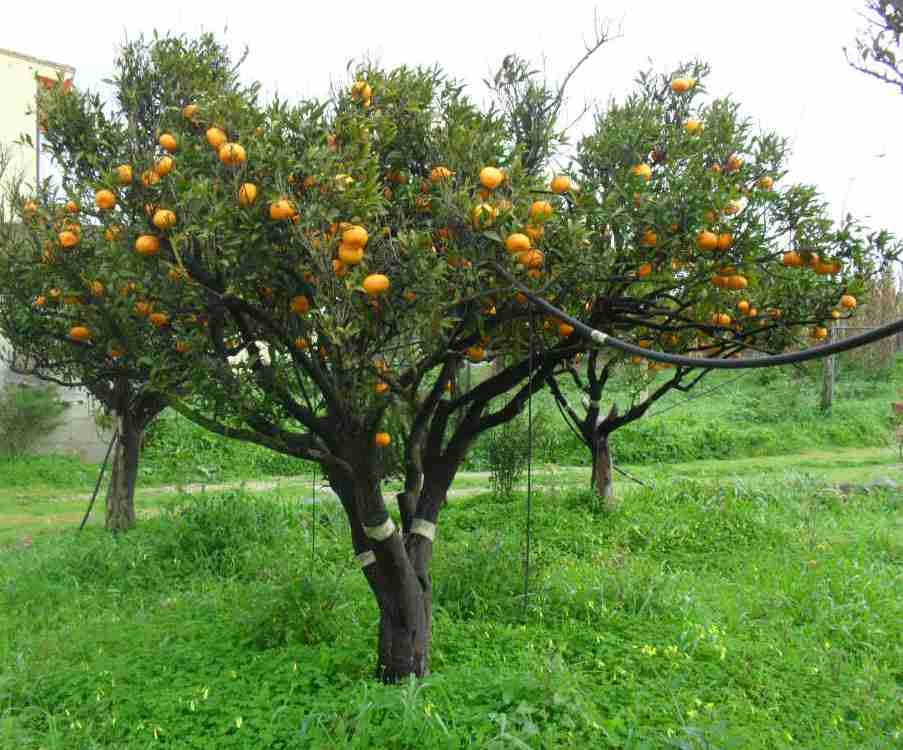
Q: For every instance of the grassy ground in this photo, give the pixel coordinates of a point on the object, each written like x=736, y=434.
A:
x=739, y=615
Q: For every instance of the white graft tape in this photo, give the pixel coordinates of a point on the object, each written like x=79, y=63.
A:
x=424, y=528
x=382, y=532
x=598, y=336
x=366, y=558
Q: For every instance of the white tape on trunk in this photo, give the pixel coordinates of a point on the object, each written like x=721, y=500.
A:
x=424, y=528
x=598, y=336
x=366, y=558
x=382, y=532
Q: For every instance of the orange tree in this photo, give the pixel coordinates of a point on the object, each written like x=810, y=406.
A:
x=74, y=313
x=320, y=266
x=697, y=248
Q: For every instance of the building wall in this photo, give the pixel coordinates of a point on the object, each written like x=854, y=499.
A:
x=79, y=435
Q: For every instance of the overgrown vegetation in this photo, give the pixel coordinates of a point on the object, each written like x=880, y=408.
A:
x=738, y=616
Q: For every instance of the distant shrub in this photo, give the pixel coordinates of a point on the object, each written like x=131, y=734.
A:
x=28, y=413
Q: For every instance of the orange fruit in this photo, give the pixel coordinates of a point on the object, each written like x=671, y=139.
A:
x=819, y=333
x=848, y=301
x=124, y=174
x=80, y=333
x=339, y=268
x=693, y=126
x=649, y=239
x=97, y=288
x=765, y=183
x=40, y=300
x=517, y=243
x=189, y=111
x=644, y=270
x=561, y=184
x=476, y=353
x=216, y=137
x=565, y=330
x=301, y=344
x=147, y=244
x=164, y=165
x=706, y=240
x=382, y=439
x=164, y=219
x=300, y=305
x=737, y=282
x=792, y=260
x=491, y=177
x=743, y=306
x=376, y=284
x=355, y=236
x=532, y=259
x=483, y=215
x=541, y=210
x=247, y=194
x=438, y=174
x=232, y=154
x=183, y=347
x=72, y=207
x=282, y=209
x=158, y=319
x=149, y=178
x=69, y=238
x=725, y=240
x=381, y=388
x=753, y=312
x=835, y=314
x=681, y=85
x=105, y=199
x=350, y=256
x=734, y=163
x=642, y=170
x=721, y=319
x=169, y=142
x=116, y=352
x=535, y=231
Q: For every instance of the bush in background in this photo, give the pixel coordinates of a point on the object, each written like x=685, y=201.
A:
x=27, y=414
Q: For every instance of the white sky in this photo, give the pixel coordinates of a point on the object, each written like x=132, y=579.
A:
x=782, y=59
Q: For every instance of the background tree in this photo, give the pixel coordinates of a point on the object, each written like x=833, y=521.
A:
x=350, y=253
x=697, y=249
x=878, y=45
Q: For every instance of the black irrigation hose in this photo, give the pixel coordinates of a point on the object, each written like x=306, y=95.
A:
x=604, y=339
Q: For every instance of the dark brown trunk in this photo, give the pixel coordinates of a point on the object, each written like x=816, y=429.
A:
x=603, y=480
x=120, y=505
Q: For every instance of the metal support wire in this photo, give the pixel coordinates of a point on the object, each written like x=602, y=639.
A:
x=103, y=468
x=313, y=533
x=529, y=524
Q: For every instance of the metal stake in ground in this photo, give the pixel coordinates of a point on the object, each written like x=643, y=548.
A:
x=103, y=468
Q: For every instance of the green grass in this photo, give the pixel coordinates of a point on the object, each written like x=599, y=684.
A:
x=742, y=616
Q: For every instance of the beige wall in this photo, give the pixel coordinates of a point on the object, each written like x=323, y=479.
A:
x=17, y=97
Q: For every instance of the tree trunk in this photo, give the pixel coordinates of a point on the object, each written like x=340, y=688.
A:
x=120, y=507
x=405, y=609
x=603, y=480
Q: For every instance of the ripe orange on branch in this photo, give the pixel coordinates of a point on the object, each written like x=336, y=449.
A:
x=215, y=137
x=164, y=165
x=158, y=319
x=439, y=174
x=491, y=177
x=355, y=236
x=247, y=194
x=169, y=142
x=382, y=439
x=541, y=210
x=105, y=199
x=80, y=333
x=376, y=284
x=706, y=240
x=147, y=244
x=300, y=305
x=350, y=255
x=164, y=219
x=517, y=243
x=848, y=301
x=124, y=174
x=561, y=184
x=232, y=154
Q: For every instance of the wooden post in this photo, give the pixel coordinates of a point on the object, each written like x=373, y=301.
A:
x=827, y=391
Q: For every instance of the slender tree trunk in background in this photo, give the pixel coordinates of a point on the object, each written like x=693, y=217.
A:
x=602, y=479
x=120, y=505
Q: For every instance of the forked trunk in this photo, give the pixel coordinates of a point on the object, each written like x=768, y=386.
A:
x=120, y=505
x=603, y=480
